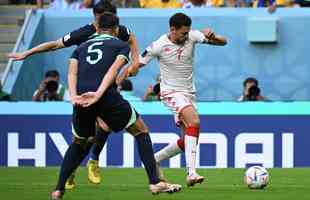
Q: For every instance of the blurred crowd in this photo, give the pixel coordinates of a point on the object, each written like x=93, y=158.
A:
x=50, y=89
x=82, y=4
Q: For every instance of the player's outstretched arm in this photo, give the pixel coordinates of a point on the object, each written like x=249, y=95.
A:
x=109, y=78
x=214, y=39
x=43, y=47
x=131, y=70
x=134, y=49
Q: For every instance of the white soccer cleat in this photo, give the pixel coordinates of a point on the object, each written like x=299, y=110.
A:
x=163, y=187
x=194, y=179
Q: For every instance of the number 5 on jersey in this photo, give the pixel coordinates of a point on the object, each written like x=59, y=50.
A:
x=93, y=50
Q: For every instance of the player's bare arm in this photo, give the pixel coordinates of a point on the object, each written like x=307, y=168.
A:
x=92, y=97
x=72, y=81
x=213, y=38
x=134, y=49
x=43, y=47
x=131, y=70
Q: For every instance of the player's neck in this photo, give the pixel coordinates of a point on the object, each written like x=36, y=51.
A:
x=171, y=37
x=106, y=33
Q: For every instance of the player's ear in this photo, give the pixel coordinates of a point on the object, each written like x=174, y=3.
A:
x=172, y=29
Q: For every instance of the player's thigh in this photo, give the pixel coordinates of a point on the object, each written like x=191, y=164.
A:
x=119, y=116
x=138, y=127
x=83, y=122
x=189, y=116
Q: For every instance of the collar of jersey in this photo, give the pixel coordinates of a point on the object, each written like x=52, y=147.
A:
x=97, y=36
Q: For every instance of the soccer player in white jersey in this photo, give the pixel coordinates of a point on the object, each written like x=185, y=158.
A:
x=175, y=53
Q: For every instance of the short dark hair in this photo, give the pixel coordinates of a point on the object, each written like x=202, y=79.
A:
x=104, y=6
x=108, y=20
x=250, y=80
x=126, y=85
x=51, y=73
x=180, y=19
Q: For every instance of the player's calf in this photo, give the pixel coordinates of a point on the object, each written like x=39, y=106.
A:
x=160, y=173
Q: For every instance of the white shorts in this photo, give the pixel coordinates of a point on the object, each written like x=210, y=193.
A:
x=177, y=101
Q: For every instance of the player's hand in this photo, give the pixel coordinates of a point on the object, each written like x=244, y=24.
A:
x=76, y=100
x=122, y=76
x=209, y=34
x=89, y=98
x=133, y=70
x=17, y=56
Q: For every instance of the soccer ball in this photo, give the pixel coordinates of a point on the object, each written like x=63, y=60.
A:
x=256, y=177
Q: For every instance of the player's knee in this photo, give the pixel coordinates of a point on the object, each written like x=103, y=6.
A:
x=137, y=131
x=144, y=129
x=194, y=122
x=102, y=125
x=83, y=142
x=140, y=133
x=91, y=140
x=138, y=127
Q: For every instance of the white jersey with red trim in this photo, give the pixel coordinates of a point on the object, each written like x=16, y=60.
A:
x=175, y=61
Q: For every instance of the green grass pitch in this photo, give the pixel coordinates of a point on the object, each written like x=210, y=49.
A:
x=131, y=184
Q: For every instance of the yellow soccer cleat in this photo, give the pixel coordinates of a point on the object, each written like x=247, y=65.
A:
x=93, y=172
x=70, y=184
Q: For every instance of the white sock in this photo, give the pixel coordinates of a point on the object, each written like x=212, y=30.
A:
x=190, y=154
x=168, y=152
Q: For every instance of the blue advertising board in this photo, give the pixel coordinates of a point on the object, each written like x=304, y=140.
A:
x=225, y=140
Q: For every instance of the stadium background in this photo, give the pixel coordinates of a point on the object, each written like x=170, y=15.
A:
x=283, y=73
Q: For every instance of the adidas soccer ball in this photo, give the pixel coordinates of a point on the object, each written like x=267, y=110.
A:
x=256, y=177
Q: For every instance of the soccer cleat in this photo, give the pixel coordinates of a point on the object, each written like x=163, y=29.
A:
x=57, y=194
x=193, y=179
x=93, y=171
x=160, y=173
x=163, y=187
x=70, y=184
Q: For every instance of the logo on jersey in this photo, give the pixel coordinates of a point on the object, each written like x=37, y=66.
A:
x=167, y=49
x=67, y=37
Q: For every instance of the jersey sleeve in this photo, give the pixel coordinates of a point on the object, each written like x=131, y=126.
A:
x=150, y=52
x=75, y=54
x=124, y=52
x=197, y=36
x=124, y=33
x=78, y=36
